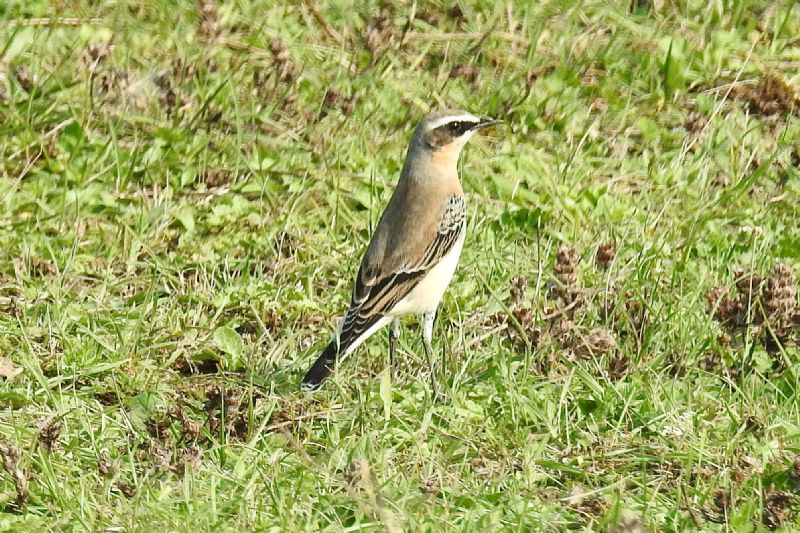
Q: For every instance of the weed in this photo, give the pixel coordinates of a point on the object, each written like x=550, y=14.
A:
x=187, y=189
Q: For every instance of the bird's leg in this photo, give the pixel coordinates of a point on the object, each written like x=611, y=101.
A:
x=427, y=335
x=394, y=333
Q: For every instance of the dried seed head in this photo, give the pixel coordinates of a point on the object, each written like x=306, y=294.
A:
x=711, y=363
x=772, y=95
x=695, y=122
x=592, y=75
x=24, y=77
x=286, y=69
x=618, y=366
x=748, y=285
x=348, y=105
x=725, y=309
x=523, y=315
x=517, y=289
x=485, y=467
x=353, y=471
x=192, y=457
x=523, y=333
x=183, y=70
x=565, y=271
x=261, y=76
x=49, y=433
x=780, y=293
x=569, y=337
x=566, y=262
x=127, y=489
x=104, y=466
x=94, y=55
x=272, y=321
x=592, y=505
x=279, y=52
x=11, y=457
x=605, y=254
x=114, y=82
x=468, y=73
x=595, y=343
x=191, y=428
x=379, y=34
x=780, y=305
x=207, y=19
x=215, y=178
x=724, y=340
x=333, y=99
x=429, y=485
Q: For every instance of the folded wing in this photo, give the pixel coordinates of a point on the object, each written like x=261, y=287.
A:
x=376, y=292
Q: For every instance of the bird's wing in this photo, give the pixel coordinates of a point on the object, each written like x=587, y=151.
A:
x=378, y=289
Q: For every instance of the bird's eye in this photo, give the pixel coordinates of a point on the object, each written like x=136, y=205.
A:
x=458, y=127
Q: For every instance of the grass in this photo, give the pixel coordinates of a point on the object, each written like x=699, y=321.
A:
x=186, y=193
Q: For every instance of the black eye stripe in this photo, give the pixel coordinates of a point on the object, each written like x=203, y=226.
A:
x=459, y=127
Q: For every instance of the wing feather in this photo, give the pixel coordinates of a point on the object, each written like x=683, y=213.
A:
x=376, y=293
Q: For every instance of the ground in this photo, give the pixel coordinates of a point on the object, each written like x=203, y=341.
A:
x=187, y=189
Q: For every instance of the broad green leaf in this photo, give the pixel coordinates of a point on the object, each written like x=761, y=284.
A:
x=229, y=341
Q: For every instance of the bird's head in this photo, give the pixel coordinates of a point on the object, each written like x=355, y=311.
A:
x=444, y=133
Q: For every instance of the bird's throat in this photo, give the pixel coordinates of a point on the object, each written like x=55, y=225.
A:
x=446, y=159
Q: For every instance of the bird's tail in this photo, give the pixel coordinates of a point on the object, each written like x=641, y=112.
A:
x=353, y=331
x=321, y=368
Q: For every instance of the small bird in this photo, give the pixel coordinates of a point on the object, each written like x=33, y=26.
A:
x=415, y=247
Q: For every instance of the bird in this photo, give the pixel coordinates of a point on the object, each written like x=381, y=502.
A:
x=415, y=247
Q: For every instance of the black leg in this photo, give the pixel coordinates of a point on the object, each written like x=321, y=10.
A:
x=394, y=333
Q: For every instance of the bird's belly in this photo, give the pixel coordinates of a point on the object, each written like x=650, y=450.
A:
x=425, y=297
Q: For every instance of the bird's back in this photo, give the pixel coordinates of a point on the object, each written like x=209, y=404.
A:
x=408, y=223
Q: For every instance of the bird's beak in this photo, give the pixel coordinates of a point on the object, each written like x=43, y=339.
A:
x=485, y=123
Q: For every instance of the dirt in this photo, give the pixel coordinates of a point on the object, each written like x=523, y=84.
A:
x=628, y=524
x=227, y=406
x=777, y=508
x=588, y=505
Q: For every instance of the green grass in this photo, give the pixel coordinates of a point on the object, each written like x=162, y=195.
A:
x=183, y=212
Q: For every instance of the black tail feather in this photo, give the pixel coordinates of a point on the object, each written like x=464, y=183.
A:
x=325, y=363
x=321, y=368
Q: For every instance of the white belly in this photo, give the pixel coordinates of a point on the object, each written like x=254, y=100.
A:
x=425, y=297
